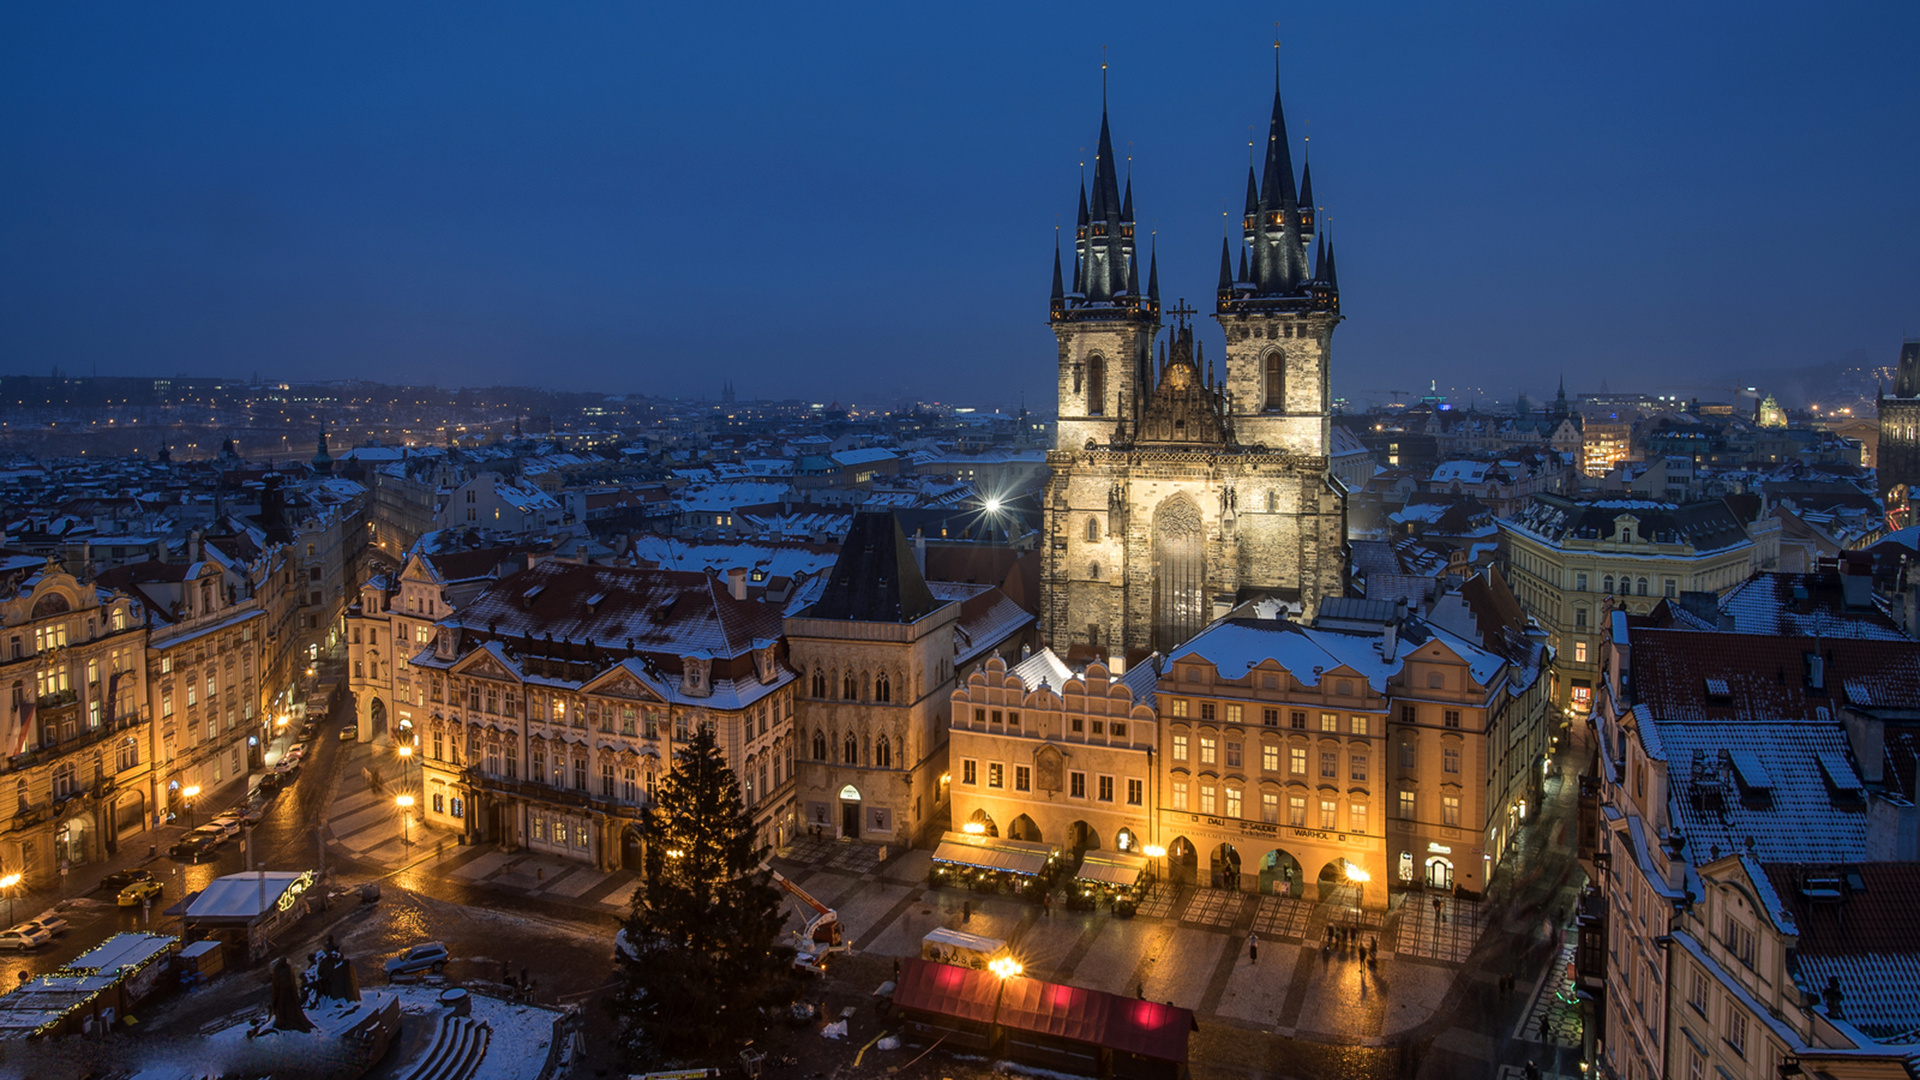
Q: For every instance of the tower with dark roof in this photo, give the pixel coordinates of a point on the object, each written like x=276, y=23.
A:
x=1179, y=489
x=1897, y=457
x=1279, y=311
x=1103, y=320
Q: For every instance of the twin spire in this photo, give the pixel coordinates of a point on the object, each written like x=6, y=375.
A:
x=1278, y=226
x=1106, y=265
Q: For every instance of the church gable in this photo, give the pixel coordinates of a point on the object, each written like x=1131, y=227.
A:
x=481, y=663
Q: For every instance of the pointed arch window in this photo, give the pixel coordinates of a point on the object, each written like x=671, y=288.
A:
x=1093, y=528
x=1273, y=382
x=819, y=684
x=883, y=754
x=819, y=746
x=882, y=688
x=850, y=752
x=849, y=688
x=1179, y=571
x=1096, y=386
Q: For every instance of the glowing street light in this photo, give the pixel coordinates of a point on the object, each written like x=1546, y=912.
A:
x=405, y=803
x=6, y=885
x=189, y=793
x=1154, y=851
x=1357, y=875
x=973, y=828
x=1006, y=967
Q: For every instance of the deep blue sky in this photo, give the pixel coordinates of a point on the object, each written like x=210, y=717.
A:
x=860, y=204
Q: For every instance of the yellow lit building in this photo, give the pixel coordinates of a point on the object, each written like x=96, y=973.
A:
x=1048, y=754
x=1573, y=562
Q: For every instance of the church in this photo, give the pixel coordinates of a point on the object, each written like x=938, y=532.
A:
x=1897, y=459
x=1182, y=487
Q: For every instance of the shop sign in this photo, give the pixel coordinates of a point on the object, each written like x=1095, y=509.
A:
x=294, y=890
x=1439, y=848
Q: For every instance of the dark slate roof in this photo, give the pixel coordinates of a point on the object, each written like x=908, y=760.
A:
x=875, y=579
x=1704, y=526
x=1774, y=602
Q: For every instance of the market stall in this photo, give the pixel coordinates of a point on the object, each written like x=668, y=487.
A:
x=89, y=994
x=1068, y=1028
x=245, y=912
x=1113, y=877
x=990, y=863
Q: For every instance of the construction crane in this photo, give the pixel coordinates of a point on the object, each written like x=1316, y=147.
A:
x=819, y=936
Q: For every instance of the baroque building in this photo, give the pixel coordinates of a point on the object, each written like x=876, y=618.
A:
x=557, y=697
x=1179, y=489
x=78, y=752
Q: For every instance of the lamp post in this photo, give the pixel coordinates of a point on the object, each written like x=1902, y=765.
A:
x=188, y=793
x=1006, y=968
x=6, y=885
x=405, y=803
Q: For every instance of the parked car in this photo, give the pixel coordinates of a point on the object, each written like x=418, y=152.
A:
x=24, y=936
x=228, y=823
x=192, y=846
x=53, y=924
x=120, y=879
x=256, y=809
x=134, y=894
x=427, y=956
x=350, y=733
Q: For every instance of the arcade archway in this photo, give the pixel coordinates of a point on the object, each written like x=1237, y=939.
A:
x=1023, y=828
x=1280, y=874
x=1225, y=866
x=1341, y=881
x=985, y=821
x=1183, y=862
x=1081, y=837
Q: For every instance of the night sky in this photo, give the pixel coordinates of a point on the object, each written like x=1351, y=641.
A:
x=861, y=204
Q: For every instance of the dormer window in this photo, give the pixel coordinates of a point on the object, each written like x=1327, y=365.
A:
x=696, y=675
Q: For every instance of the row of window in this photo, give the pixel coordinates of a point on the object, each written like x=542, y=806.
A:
x=1298, y=760
x=1102, y=788
x=1212, y=798
x=1626, y=585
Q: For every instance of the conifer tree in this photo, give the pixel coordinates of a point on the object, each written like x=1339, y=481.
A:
x=702, y=956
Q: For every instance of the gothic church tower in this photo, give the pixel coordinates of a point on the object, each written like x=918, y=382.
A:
x=1279, y=314
x=1897, y=458
x=1105, y=324
x=1179, y=491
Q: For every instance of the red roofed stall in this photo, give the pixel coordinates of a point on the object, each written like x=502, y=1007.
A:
x=1052, y=1025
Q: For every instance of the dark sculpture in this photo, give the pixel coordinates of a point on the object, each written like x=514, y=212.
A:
x=287, y=1013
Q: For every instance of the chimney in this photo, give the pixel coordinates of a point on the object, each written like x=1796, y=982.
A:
x=737, y=583
x=920, y=551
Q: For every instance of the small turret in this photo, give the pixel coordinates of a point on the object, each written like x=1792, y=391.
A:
x=1226, y=270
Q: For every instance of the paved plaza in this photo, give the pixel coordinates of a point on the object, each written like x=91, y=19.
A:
x=1187, y=946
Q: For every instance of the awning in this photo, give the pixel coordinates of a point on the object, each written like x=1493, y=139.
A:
x=1145, y=1029
x=1111, y=869
x=993, y=853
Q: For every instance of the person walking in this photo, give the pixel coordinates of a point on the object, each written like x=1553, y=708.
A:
x=1253, y=948
x=966, y=911
x=1437, y=916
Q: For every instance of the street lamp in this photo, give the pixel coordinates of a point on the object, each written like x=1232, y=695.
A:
x=405, y=803
x=188, y=793
x=6, y=885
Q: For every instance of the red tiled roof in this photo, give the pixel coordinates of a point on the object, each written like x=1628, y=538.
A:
x=1881, y=918
x=1766, y=675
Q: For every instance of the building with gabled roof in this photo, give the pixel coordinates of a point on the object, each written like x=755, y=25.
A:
x=552, y=702
x=1722, y=755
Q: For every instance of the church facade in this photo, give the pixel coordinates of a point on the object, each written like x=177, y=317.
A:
x=1181, y=488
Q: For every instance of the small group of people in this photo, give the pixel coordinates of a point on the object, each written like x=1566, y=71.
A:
x=1349, y=937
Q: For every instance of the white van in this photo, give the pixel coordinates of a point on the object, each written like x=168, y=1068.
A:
x=961, y=949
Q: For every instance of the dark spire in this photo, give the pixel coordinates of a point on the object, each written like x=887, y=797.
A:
x=1319, y=259
x=1253, y=193
x=1276, y=178
x=1059, y=290
x=1126, y=204
x=1306, y=182
x=1106, y=178
x=1153, y=275
x=1332, y=276
x=1226, y=267
x=1243, y=265
x=1083, y=197
x=1133, y=277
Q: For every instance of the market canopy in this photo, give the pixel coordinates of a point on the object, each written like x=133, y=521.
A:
x=242, y=898
x=1111, y=868
x=1145, y=1029
x=993, y=853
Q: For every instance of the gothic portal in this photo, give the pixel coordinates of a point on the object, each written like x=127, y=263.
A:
x=1180, y=490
